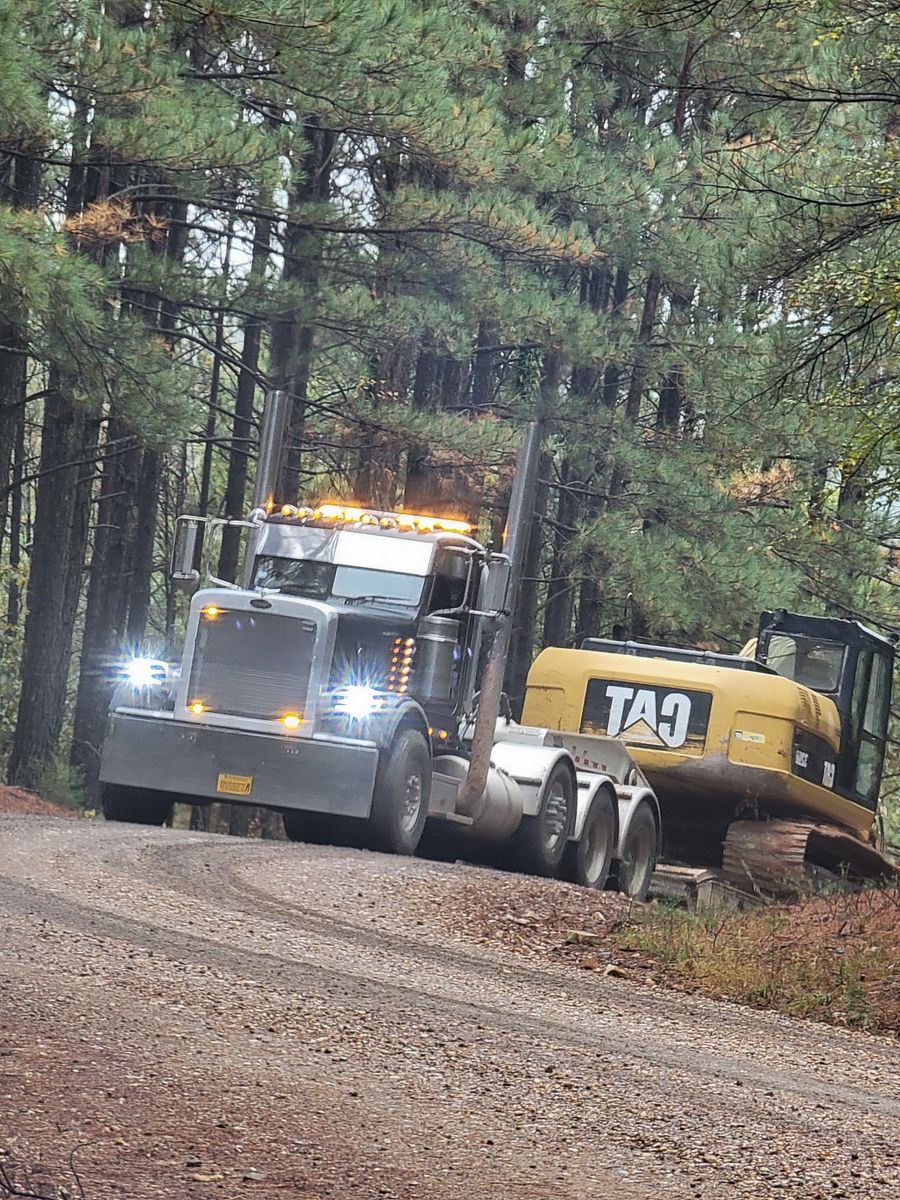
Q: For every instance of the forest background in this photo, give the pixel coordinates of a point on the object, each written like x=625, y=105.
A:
x=668, y=228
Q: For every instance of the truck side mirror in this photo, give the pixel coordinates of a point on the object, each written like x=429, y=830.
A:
x=495, y=585
x=183, y=572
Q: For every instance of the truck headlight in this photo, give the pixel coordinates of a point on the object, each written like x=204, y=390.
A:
x=145, y=672
x=358, y=701
x=145, y=683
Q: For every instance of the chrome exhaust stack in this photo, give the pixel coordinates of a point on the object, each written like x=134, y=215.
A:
x=276, y=410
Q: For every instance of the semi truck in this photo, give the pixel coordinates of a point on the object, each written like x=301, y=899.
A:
x=352, y=680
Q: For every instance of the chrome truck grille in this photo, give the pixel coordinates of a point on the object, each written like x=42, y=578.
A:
x=250, y=664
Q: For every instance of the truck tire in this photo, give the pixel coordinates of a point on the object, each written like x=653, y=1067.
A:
x=540, y=841
x=587, y=861
x=639, y=851
x=402, y=792
x=140, y=806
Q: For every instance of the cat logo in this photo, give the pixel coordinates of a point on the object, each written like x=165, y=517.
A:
x=637, y=714
x=647, y=716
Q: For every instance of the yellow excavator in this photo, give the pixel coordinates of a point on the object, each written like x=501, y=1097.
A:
x=767, y=764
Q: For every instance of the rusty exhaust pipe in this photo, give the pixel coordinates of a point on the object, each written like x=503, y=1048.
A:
x=472, y=798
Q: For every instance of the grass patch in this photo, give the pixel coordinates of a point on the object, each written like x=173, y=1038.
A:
x=833, y=958
x=61, y=784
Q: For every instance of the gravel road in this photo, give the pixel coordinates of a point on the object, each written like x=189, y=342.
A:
x=189, y=1015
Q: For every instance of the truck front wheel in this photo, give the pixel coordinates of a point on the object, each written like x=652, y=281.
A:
x=541, y=840
x=402, y=792
x=141, y=806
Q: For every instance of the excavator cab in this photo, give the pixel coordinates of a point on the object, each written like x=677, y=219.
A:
x=853, y=667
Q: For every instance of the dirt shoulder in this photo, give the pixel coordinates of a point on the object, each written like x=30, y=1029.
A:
x=834, y=959
x=21, y=802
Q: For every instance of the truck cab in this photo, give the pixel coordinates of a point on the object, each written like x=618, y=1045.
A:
x=347, y=658
x=403, y=592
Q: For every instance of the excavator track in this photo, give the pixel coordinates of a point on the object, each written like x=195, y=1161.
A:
x=782, y=858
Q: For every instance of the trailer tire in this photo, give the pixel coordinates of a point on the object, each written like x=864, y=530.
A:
x=639, y=851
x=140, y=806
x=587, y=862
x=402, y=792
x=540, y=841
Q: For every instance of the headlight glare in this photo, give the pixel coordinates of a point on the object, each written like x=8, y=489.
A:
x=358, y=701
x=145, y=672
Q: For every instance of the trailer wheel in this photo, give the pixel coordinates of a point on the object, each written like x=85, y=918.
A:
x=140, y=806
x=639, y=851
x=402, y=791
x=540, y=841
x=587, y=861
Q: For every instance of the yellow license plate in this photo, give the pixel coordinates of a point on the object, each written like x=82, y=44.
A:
x=235, y=785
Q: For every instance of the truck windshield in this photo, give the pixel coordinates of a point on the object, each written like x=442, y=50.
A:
x=299, y=577
x=359, y=584
x=815, y=663
x=349, y=585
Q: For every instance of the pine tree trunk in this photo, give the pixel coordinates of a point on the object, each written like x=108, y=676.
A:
x=591, y=595
x=199, y=820
x=560, y=592
x=62, y=507
x=103, y=644
x=481, y=388
x=242, y=426
x=142, y=549
x=293, y=334
x=60, y=537
x=13, y=372
x=176, y=503
x=174, y=212
x=521, y=649
x=14, y=593
x=645, y=330
x=119, y=583
x=419, y=475
x=429, y=488
x=19, y=188
x=612, y=375
x=214, y=381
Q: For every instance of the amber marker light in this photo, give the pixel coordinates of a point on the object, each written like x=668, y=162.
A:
x=447, y=526
x=198, y=708
x=291, y=721
x=211, y=611
x=405, y=522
